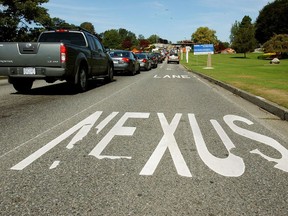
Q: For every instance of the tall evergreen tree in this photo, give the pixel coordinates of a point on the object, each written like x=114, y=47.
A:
x=234, y=29
x=244, y=39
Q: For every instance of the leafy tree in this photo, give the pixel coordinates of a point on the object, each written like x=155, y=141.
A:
x=272, y=19
x=16, y=15
x=143, y=43
x=278, y=44
x=59, y=23
x=88, y=26
x=244, y=38
x=141, y=37
x=221, y=46
x=127, y=43
x=119, y=39
x=123, y=33
x=127, y=37
x=153, y=39
x=111, y=39
x=204, y=35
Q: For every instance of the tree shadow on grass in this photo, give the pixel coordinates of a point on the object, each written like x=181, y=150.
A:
x=239, y=57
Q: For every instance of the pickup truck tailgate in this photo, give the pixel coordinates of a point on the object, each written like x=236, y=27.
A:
x=30, y=54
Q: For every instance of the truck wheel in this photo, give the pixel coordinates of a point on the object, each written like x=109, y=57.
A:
x=133, y=72
x=110, y=75
x=22, y=85
x=82, y=83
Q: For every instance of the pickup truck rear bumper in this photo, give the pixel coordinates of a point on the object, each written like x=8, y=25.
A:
x=32, y=72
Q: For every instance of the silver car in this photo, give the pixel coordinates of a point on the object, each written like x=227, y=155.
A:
x=173, y=57
x=125, y=61
x=144, y=60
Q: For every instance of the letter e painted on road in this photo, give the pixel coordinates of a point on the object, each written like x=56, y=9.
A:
x=117, y=130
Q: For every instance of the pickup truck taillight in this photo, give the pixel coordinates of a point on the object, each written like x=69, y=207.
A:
x=62, y=53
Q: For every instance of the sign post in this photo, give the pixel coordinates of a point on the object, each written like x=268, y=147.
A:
x=188, y=48
x=205, y=49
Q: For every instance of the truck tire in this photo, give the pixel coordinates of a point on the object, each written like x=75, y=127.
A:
x=82, y=83
x=133, y=72
x=22, y=85
x=110, y=75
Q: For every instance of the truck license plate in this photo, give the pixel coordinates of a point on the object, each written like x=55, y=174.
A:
x=29, y=71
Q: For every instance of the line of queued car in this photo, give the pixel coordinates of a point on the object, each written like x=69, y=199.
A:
x=132, y=63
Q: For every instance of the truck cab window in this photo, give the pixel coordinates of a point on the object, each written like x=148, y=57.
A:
x=99, y=46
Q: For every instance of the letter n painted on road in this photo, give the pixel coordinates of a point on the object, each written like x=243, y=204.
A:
x=82, y=127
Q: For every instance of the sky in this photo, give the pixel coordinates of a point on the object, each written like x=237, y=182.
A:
x=173, y=20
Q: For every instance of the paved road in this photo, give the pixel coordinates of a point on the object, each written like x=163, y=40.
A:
x=164, y=142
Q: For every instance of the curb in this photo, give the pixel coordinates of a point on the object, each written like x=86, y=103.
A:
x=271, y=107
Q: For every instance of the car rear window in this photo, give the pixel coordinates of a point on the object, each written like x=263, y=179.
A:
x=173, y=54
x=119, y=54
x=141, y=56
x=69, y=37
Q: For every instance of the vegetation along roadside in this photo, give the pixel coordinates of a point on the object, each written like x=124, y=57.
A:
x=251, y=74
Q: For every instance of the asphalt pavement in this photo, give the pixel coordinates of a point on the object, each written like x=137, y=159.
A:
x=164, y=142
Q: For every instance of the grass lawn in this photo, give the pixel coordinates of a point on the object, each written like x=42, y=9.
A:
x=250, y=74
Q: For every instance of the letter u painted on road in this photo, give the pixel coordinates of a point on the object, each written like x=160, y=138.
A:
x=232, y=166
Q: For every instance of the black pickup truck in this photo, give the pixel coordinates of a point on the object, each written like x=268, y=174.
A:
x=72, y=55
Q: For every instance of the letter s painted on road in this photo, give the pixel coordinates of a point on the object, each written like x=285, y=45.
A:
x=282, y=163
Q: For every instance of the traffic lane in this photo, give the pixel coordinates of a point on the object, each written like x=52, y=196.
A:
x=25, y=116
x=110, y=186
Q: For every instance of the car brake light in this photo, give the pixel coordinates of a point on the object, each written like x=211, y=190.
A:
x=126, y=60
x=63, y=53
x=144, y=60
